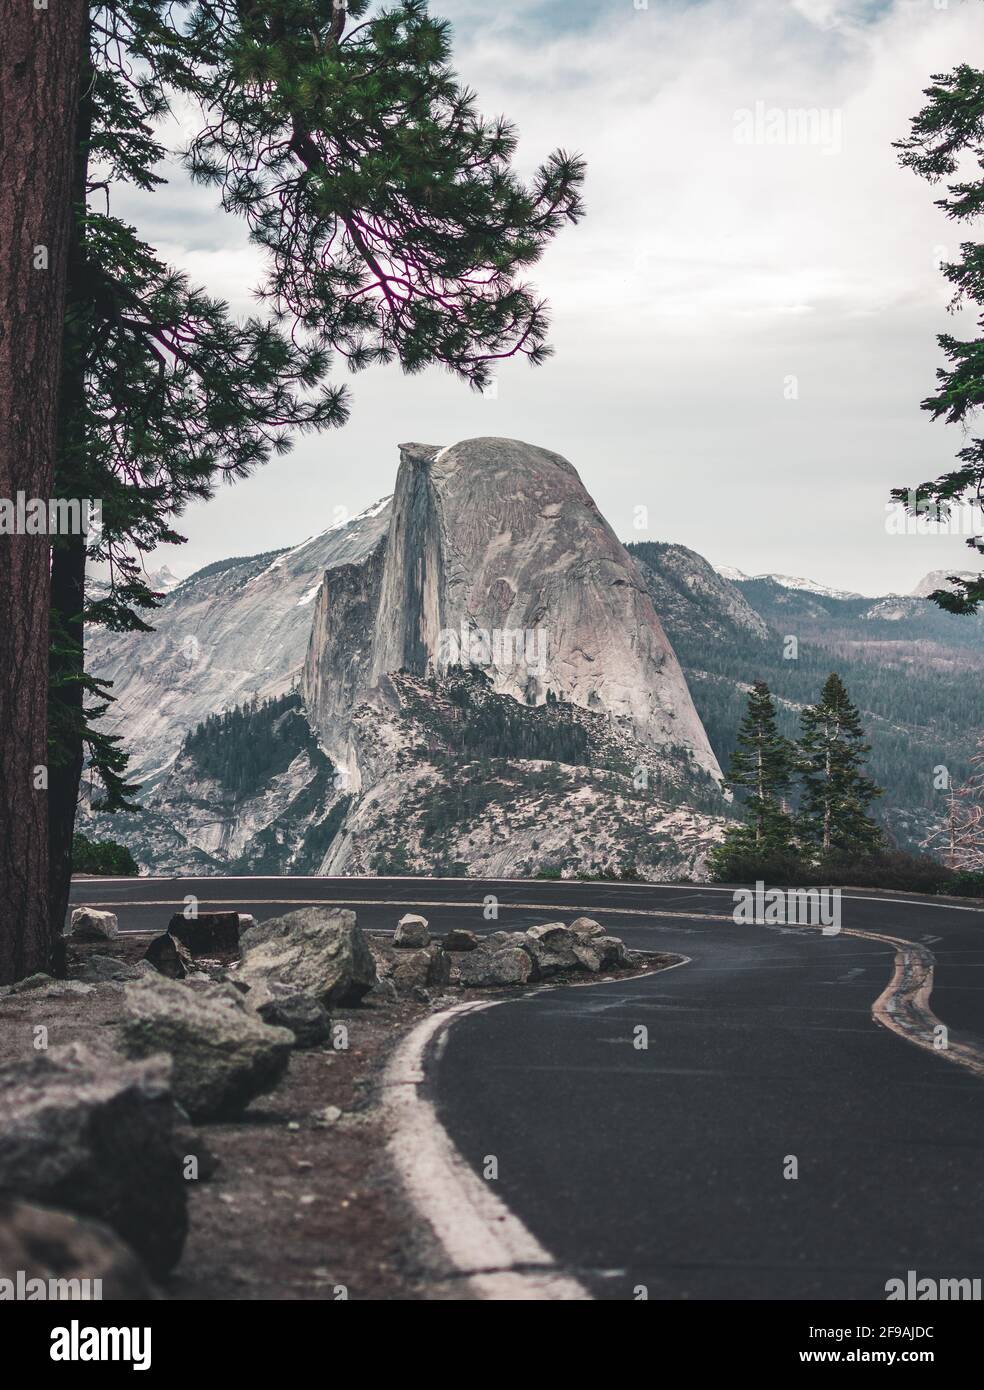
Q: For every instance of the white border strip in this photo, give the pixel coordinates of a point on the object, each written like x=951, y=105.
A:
x=498, y=1257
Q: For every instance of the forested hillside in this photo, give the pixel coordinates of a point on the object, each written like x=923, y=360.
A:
x=915, y=672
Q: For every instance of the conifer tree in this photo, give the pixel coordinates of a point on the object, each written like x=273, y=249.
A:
x=836, y=793
x=761, y=768
x=946, y=141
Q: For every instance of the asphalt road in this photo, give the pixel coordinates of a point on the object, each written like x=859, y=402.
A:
x=660, y=1170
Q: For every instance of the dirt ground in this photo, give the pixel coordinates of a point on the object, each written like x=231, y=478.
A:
x=302, y=1202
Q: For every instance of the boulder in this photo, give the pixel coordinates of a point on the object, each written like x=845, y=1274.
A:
x=613, y=952
x=169, y=957
x=223, y=1054
x=411, y=931
x=86, y=1130
x=91, y=924
x=47, y=986
x=208, y=932
x=318, y=951
x=417, y=969
x=97, y=970
x=587, y=958
x=596, y=953
x=282, y=1007
x=552, y=948
x=587, y=926
x=506, y=966
x=497, y=939
x=73, y=1257
x=384, y=991
x=461, y=939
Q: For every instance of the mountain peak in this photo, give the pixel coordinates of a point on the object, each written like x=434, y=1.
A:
x=938, y=579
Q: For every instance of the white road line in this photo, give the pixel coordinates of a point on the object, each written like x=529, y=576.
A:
x=485, y=1241
x=417, y=902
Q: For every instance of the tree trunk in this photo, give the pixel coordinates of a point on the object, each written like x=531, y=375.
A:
x=65, y=774
x=68, y=559
x=39, y=76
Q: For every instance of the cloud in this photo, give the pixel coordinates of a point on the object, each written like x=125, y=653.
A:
x=709, y=271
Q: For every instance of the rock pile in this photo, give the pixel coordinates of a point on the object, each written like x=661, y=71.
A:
x=415, y=962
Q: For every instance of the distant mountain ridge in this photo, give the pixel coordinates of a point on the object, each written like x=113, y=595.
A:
x=914, y=670
x=389, y=758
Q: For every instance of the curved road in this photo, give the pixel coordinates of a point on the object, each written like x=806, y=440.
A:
x=661, y=1171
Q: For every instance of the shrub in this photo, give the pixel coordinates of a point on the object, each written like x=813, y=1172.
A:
x=890, y=869
x=102, y=857
x=966, y=884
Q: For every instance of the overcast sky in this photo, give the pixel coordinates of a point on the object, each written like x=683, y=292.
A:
x=743, y=329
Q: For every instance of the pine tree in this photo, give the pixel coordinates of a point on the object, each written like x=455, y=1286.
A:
x=393, y=229
x=762, y=768
x=835, y=792
x=946, y=141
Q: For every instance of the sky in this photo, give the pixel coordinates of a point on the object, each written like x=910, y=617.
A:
x=743, y=328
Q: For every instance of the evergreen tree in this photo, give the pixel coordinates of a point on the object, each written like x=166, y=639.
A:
x=393, y=229
x=761, y=768
x=835, y=792
x=947, y=142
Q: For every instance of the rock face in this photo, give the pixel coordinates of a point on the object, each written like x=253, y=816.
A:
x=685, y=589
x=90, y=1132
x=497, y=556
x=223, y=1055
x=71, y=1256
x=491, y=562
x=316, y=951
x=234, y=629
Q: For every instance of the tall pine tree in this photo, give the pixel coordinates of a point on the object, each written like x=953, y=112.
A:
x=761, y=770
x=836, y=793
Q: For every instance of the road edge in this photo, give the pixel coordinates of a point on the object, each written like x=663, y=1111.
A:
x=903, y=1006
x=496, y=1255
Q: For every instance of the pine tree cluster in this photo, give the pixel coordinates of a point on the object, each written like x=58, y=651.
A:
x=802, y=800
